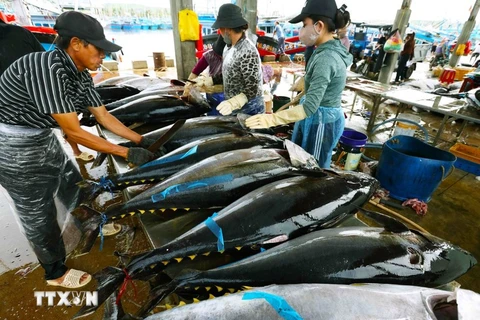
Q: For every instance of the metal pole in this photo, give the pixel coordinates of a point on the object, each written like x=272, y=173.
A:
x=184, y=50
x=465, y=34
x=401, y=22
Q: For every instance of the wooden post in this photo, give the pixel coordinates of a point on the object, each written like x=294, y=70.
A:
x=465, y=34
x=184, y=50
x=249, y=11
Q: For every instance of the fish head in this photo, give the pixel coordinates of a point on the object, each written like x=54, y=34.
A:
x=197, y=99
x=445, y=261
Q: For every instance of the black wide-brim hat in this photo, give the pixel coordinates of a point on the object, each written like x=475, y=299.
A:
x=326, y=8
x=85, y=27
x=229, y=16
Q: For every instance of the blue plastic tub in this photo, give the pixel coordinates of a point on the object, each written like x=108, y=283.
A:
x=410, y=168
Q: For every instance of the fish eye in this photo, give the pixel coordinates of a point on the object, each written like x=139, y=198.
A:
x=414, y=256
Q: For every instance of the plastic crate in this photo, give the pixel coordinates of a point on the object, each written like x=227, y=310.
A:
x=468, y=158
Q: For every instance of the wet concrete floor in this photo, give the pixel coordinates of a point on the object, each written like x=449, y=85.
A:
x=453, y=214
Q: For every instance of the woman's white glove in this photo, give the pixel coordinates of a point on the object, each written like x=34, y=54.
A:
x=262, y=121
x=226, y=107
x=203, y=81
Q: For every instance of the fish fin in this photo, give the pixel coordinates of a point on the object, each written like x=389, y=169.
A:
x=157, y=294
x=90, y=220
x=109, y=280
x=299, y=157
x=389, y=223
x=88, y=191
x=114, y=310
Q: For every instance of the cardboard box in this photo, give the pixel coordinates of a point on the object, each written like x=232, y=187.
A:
x=139, y=64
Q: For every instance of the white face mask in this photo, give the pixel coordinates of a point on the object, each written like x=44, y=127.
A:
x=309, y=35
x=226, y=38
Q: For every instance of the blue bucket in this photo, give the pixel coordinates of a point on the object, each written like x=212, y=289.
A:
x=410, y=168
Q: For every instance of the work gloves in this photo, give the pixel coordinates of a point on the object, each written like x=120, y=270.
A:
x=147, y=142
x=262, y=121
x=139, y=156
x=228, y=106
x=203, y=81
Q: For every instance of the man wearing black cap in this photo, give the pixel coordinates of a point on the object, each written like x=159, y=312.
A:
x=319, y=119
x=45, y=90
x=241, y=68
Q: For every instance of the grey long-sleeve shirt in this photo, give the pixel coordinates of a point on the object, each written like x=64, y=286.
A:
x=326, y=76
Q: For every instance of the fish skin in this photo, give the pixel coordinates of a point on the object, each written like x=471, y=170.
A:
x=255, y=218
x=116, y=80
x=179, y=159
x=113, y=93
x=321, y=301
x=156, y=109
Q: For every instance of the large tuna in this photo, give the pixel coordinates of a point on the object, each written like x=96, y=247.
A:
x=212, y=183
x=116, y=80
x=393, y=254
x=271, y=214
x=156, y=109
x=180, y=159
x=113, y=93
x=332, y=302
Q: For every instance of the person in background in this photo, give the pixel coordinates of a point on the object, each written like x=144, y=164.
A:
x=343, y=36
x=381, y=53
x=319, y=119
x=213, y=60
x=476, y=52
x=434, y=48
x=241, y=68
x=405, y=56
x=280, y=37
x=45, y=90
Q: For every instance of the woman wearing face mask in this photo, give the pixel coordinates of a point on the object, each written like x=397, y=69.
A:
x=319, y=118
x=241, y=68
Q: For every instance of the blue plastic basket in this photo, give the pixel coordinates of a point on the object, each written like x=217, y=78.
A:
x=468, y=166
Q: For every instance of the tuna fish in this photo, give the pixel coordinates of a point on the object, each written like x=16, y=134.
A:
x=259, y=218
x=329, y=301
x=212, y=183
x=116, y=80
x=155, y=109
x=113, y=93
x=180, y=159
x=393, y=254
x=143, y=83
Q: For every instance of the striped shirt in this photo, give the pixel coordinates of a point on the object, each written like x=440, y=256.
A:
x=44, y=83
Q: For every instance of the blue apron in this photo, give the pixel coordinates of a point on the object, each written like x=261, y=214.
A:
x=214, y=100
x=319, y=133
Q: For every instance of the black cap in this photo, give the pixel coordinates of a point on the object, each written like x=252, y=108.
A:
x=77, y=24
x=326, y=8
x=229, y=16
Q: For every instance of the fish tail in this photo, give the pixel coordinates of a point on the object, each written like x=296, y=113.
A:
x=156, y=296
x=90, y=224
x=109, y=280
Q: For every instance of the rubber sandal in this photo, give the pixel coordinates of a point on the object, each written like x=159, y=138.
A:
x=85, y=156
x=111, y=229
x=71, y=280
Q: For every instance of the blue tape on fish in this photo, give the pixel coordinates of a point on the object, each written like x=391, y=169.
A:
x=216, y=230
x=278, y=303
x=171, y=159
x=191, y=185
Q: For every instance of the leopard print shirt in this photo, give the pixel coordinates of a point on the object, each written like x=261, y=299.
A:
x=242, y=70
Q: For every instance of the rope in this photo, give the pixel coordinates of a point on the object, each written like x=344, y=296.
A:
x=123, y=288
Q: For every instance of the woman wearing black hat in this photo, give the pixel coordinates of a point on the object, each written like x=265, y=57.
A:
x=241, y=68
x=319, y=119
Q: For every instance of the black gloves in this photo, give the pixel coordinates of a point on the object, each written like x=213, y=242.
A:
x=147, y=142
x=139, y=156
